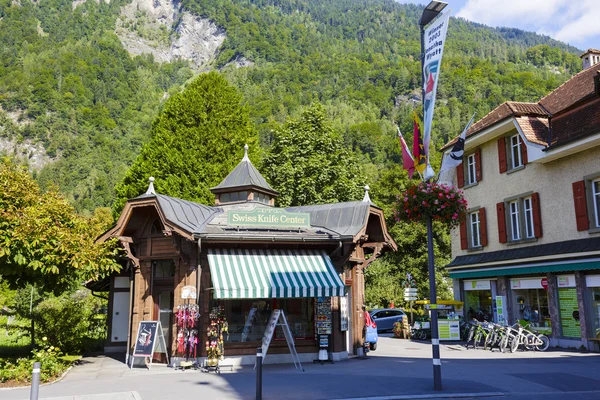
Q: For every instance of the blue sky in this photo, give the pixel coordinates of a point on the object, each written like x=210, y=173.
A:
x=576, y=22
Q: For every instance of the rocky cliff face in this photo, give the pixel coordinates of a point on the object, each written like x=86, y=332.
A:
x=161, y=28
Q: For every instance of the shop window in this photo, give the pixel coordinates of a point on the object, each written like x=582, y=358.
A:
x=519, y=218
x=248, y=318
x=163, y=269
x=595, y=311
x=586, y=197
x=512, y=153
x=474, y=232
x=515, y=160
x=468, y=173
x=596, y=202
x=478, y=304
x=532, y=307
x=224, y=198
x=471, y=177
x=475, y=238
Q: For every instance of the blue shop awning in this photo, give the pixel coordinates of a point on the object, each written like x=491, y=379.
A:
x=525, y=270
x=253, y=274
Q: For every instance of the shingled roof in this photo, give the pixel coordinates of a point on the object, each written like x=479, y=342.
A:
x=533, y=118
x=245, y=175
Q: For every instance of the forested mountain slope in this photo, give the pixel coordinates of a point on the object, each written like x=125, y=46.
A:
x=67, y=82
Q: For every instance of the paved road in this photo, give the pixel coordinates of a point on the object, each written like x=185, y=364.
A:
x=398, y=369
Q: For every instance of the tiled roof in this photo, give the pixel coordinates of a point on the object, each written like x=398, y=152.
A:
x=578, y=123
x=578, y=88
x=532, y=117
x=535, y=129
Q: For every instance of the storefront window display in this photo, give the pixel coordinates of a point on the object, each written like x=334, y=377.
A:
x=478, y=300
x=568, y=306
x=531, y=300
x=248, y=318
x=593, y=284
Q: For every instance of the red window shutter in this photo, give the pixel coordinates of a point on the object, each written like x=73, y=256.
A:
x=502, y=155
x=501, y=222
x=482, y=227
x=581, y=216
x=537, y=216
x=460, y=176
x=478, y=165
x=464, y=244
x=524, y=152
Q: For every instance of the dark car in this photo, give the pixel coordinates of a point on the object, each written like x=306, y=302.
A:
x=386, y=317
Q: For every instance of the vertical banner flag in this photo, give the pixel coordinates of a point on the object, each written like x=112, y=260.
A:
x=435, y=37
x=420, y=159
x=455, y=157
x=407, y=161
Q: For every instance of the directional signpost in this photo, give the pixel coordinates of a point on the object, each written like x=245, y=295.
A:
x=410, y=294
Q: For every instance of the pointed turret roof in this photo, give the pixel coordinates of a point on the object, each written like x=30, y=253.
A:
x=244, y=176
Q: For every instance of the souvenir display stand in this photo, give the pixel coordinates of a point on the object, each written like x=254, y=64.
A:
x=324, y=325
x=187, y=334
x=214, y=342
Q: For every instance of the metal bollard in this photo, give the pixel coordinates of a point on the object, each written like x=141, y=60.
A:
x=259, y=359
x=35, y=381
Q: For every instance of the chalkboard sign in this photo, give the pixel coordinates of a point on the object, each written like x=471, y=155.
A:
x=146, y=339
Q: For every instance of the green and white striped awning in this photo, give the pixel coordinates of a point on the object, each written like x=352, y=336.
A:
x=255, y=274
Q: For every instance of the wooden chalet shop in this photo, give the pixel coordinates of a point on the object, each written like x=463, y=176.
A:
x=244, y=257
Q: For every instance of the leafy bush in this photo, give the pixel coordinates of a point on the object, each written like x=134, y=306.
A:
x=20, y=369
x=74, y=322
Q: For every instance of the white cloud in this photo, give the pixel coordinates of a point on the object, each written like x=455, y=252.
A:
x=567, y=20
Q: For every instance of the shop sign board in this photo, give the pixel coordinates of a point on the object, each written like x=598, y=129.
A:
x=501, y=309
x=188, y=292
x=544, y=283
x=477, y=285
x=150, y=340
x=592, y=280
x=449, y=330
x=564, y=281
x=344, y=313
x=530, y=283
x=569, y=312
x=271, y=217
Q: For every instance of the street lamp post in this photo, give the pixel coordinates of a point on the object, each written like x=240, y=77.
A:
x=432, y=10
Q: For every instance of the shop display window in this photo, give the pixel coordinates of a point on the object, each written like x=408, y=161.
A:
x=248, y=318
x=595, y=311
x=478, y=305
x=532, y=307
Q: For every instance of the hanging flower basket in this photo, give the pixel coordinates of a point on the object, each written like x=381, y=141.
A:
x=441, y=202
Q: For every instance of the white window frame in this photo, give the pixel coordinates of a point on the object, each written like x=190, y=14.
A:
x=596, y=201
x=528, y=218
x=516, y=158
x=513, y=212
x=471, y=170
x=474, y=229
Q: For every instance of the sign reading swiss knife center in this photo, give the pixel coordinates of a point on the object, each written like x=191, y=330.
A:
x=268, y=217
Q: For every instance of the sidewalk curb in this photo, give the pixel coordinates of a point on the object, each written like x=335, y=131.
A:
x=431, y=396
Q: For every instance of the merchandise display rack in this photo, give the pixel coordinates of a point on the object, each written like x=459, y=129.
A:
x=214, y=342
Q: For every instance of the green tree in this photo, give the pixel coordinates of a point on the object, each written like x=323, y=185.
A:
x=309, y=164
x=42, y=241
x=196, y=141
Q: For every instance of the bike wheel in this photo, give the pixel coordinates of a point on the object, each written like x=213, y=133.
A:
x=477, y=340
x=530, y=342
x=514, y=345
x=545, y=343
x=490, y=340
x=470, y=337
x=504, y=343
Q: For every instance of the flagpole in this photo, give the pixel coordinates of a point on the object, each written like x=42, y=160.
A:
x=431, y=11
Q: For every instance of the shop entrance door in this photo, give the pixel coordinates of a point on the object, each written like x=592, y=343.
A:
x=163, y=312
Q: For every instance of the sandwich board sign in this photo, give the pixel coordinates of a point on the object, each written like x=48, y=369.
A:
x=278, y=319
x=150, y=340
